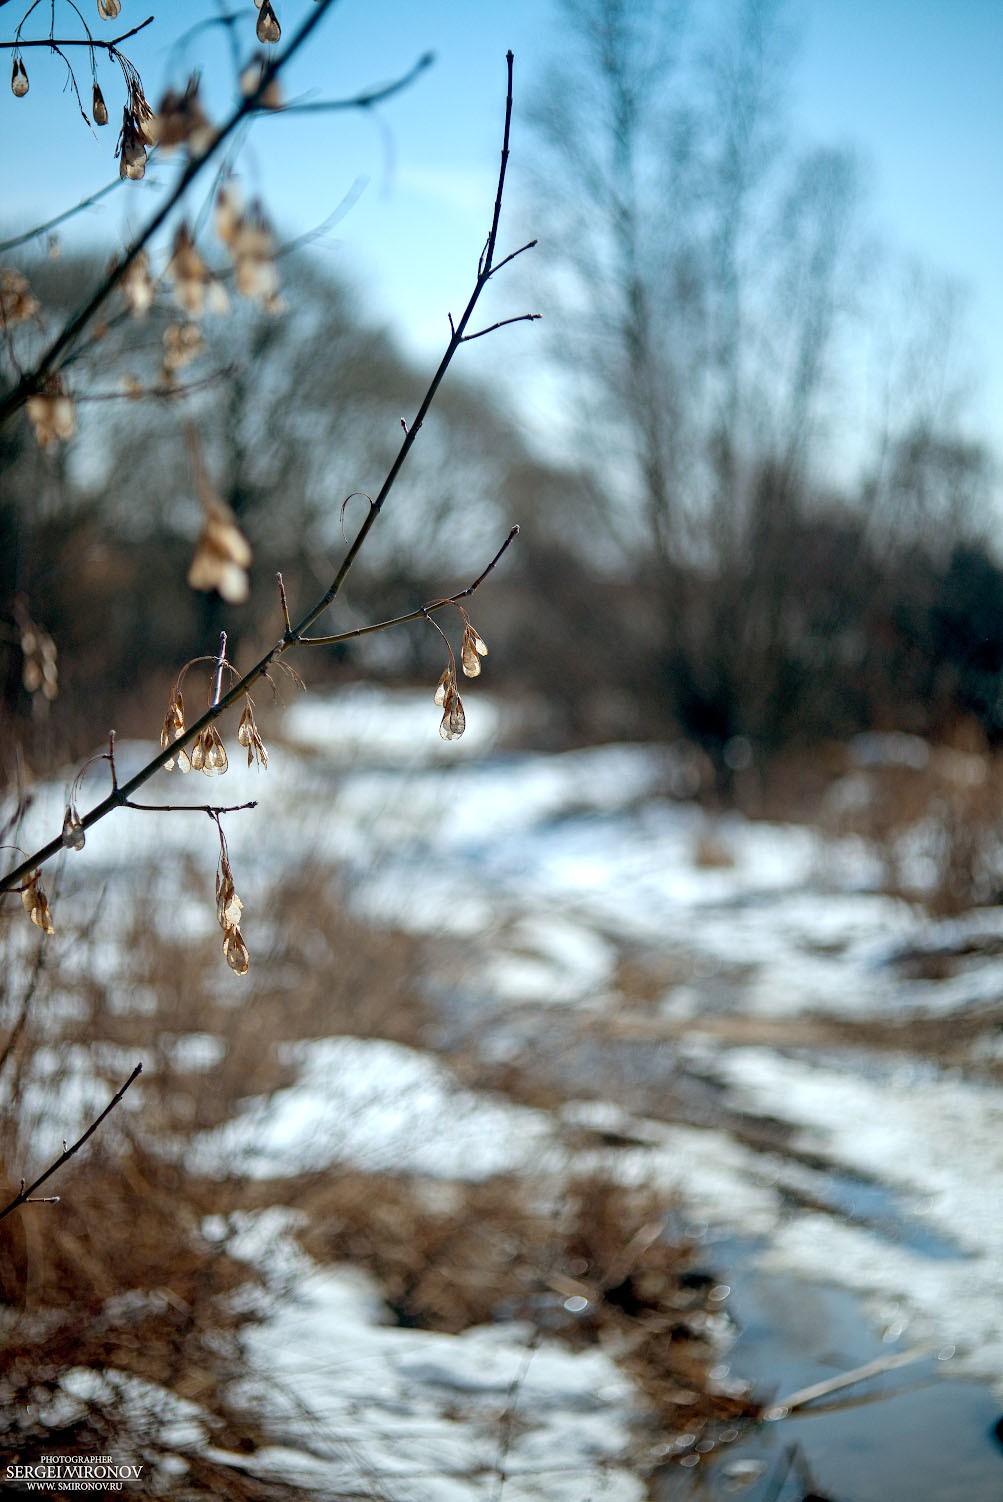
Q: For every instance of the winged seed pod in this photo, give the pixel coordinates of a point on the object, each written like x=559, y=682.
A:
x=108, y=10
x=445, y=683
x=268, y=28
x=18, y=79
x=182, y=342
x=228, y=911
x=250, y=79
x=136, y=285
x=36, y=904
x=189, y=273
x=222, y=555
x=131, y=149
x=208, y=754
x=99, y=109
x=472, y=649
x=73, y=836
x=181, y=121
x=17, y=302
x=249, y=736
x=252, y=251
x=52, y=413
x=173, y=729
x=454, y=720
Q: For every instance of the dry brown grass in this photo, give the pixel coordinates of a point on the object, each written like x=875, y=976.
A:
x=120, y=1279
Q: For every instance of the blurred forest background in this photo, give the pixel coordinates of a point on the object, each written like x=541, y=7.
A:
x=772, y=525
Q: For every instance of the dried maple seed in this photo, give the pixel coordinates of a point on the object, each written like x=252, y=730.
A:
x=235, y=950
x=18, y=79
x=454, y=720
x=131, y=148
x=222, y=555
x=228, y=910
x=189, y=273
x=137, y=287
x=17, y=301
x=173, y=728
x=268, y=28
x=209, y=753
x=445, y=685
x=36, y=904
x=98, y=107
x=472, y=649
x=181, y=121
x=108, y=10
x=52, y=413
x=249, y=737
x=73, y=830
x=182, y=342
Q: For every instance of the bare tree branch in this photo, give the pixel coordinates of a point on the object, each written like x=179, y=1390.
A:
x=423, y=611
x=26, y=1193
x=88, y=41
x=292, y=636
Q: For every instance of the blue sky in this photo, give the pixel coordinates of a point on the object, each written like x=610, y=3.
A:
x=914, y=85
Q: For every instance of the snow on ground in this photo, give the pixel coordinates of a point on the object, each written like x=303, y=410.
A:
x=549, y=868
x=379, y=1106
x=428, y=1417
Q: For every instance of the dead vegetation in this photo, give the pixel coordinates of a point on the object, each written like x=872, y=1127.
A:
x=118, y=1309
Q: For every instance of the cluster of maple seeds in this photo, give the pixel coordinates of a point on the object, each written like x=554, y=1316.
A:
x=136, y=133
x=228, y=910
x=208, y=754
x=472, y=649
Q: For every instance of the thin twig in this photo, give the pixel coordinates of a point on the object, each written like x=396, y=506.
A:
x=292, y=635
x=51, y=224
x=91, y=42
x=26, y=1193
x=412, y=615
x=212, y=809
x=501, y=324
x=850, y=1379
x=360, y=101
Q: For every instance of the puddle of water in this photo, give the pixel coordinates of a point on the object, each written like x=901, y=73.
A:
x=911, y=1435
x=879, y=1207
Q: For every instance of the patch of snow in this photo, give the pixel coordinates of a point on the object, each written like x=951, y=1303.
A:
x=380, y=1106
x=429, y=1417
